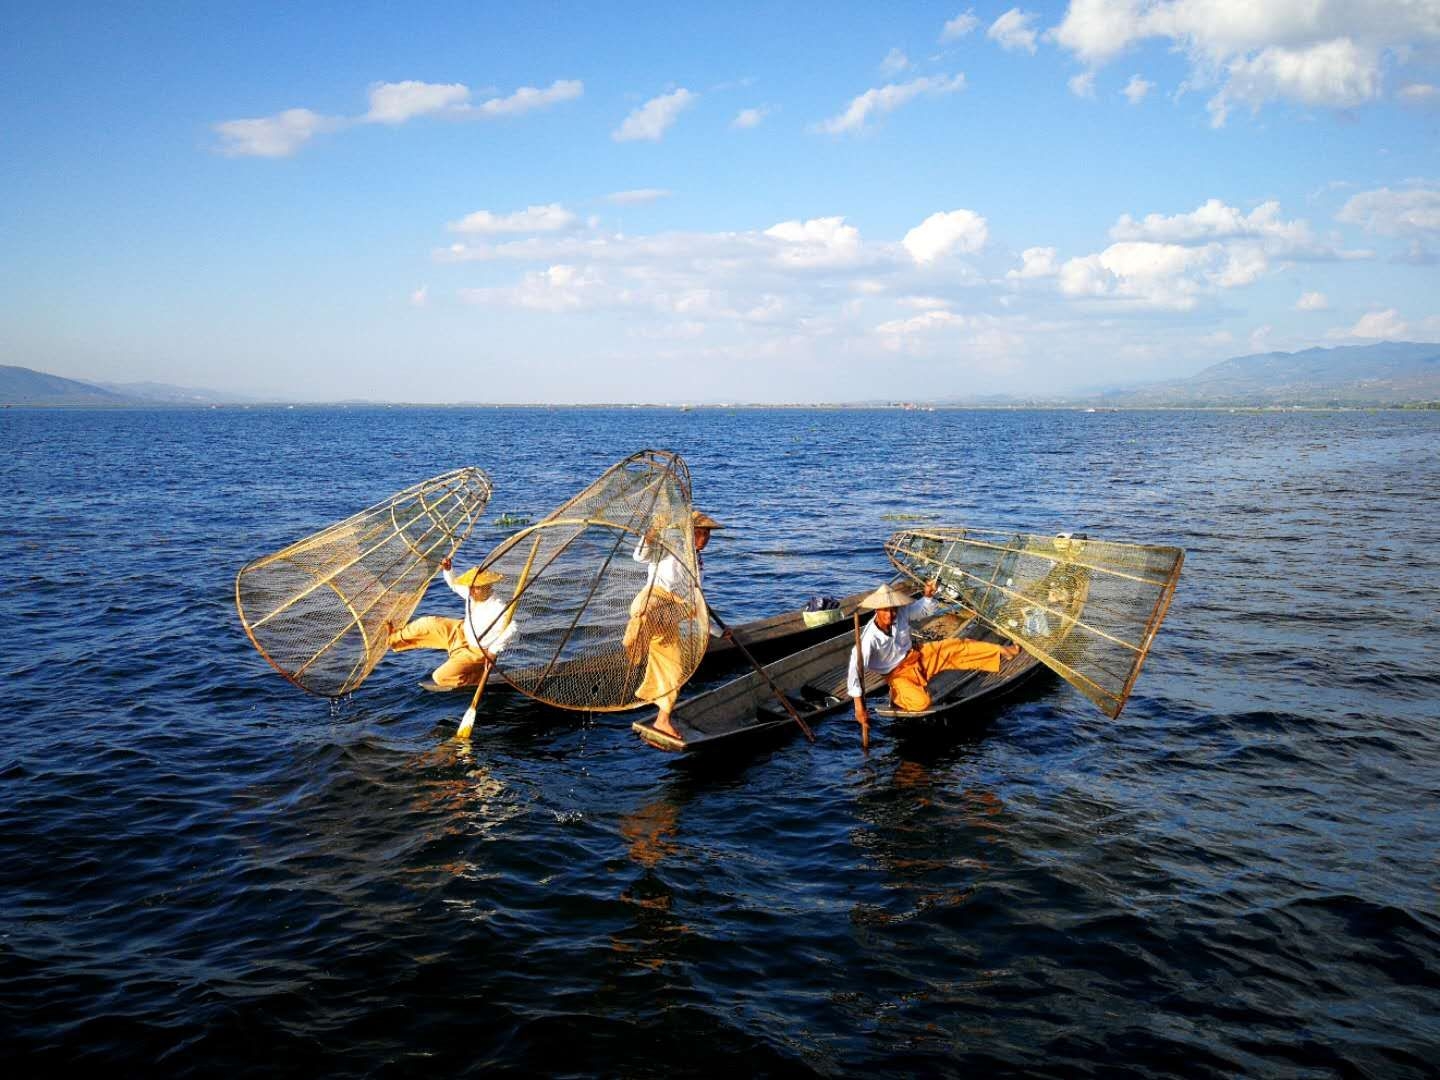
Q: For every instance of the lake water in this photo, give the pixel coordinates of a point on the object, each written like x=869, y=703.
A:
x=206, y=871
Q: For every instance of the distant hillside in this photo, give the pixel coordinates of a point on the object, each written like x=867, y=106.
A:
x=153, y=393
x=21, y=386
x=1390, y=373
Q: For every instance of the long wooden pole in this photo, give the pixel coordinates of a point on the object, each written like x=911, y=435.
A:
x=729, y=636
x=468, y=720
x=860, y=675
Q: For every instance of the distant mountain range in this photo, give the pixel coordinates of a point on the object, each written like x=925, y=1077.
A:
x=1389, y=373
x=22, y=386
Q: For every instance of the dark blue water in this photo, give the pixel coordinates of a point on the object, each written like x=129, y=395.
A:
x=205, y=871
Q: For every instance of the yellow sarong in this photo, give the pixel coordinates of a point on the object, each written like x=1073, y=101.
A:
x=653, y=635
x=909, y=679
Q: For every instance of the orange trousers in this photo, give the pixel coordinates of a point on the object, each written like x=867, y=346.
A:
x=908, y=681
x=652, y=634
x=464, y=666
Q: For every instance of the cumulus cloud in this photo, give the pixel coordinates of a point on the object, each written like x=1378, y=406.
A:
x=273, y=136
x=1317, y=52
x=750, y=118
x=554, y=289
x=1312, y=301
x=941, y=234
x=1083, y=85
x=1216, y=221
x=394, y=103
x=959, y=26
x=1136, y=89
x=1015, y=30
x=651, y=120
x=637, y=195
x=895, y=62
x=1036, y=262
x=886, y=99
x=1412, y=212
x=550, y=218
x=818, y=242
x=1383, y=325
x=528, y=98
x=391, y=104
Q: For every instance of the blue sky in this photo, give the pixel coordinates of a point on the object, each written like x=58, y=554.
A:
x=578, y=203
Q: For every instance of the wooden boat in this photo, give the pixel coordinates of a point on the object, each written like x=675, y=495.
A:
x=814, y=681
x=766, y=639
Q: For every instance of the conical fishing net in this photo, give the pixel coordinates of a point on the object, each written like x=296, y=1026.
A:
x=1088, y=609
x=606, y=592
x=317, y=609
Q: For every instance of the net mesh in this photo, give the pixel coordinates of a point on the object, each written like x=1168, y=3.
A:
x=605, y=592
x=316, y=610
x=1089, y=609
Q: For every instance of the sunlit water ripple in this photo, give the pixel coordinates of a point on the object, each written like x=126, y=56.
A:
x=206, y=871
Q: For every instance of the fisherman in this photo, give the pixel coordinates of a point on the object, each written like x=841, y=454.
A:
x=907, y=668
x=653, y=632
x=471, y=656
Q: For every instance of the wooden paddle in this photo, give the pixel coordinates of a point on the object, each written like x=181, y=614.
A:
x=726, y=633
x=860, y=675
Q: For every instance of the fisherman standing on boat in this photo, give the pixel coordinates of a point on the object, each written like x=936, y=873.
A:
x=908, y=668
x=656, y=613
x=470, y=656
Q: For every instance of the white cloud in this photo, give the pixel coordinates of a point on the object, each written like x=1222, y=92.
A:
x=555, y=289
x=1214, y=220
x=1312, y=301
x=750, y=118
x=394, y=103
x=1083, y=85
x=1413, y=212
x=942, y=233
x=1141, y=273
x=550, y=218
x=1385, y=325
x=390, y=103
x=273, y=136
x=1419, y=94
x=886, y=99
x=651, y=120
x=528, y=98
x=1335, y=73
x=817, y=242
x=922, y=323
x=923, y=303
x=895, y=62
x=1315, y=52
x=959, y=26
x=1015, y=30
x=1036, y=262
x=1136, y=89
x=637, y=195
x=420, y=297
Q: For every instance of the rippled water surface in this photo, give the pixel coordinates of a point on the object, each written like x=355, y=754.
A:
x=206, y=871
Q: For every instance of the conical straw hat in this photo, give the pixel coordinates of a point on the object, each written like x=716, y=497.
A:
x=475, y=576
x=701, y=520
x=887, y=596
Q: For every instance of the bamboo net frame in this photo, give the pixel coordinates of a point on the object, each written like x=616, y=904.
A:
x=1087, y=609
x=317, y=609
x=595, y=628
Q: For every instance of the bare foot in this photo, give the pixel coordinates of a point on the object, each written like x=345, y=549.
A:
x=665, y=727
x=1009, y=652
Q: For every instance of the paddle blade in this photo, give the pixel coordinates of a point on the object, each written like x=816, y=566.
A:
x=316, y=610
x=1088, y=609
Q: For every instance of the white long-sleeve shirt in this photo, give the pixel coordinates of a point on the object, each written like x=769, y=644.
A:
x=667, y=572
x=485, y=616
x=883, y=652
